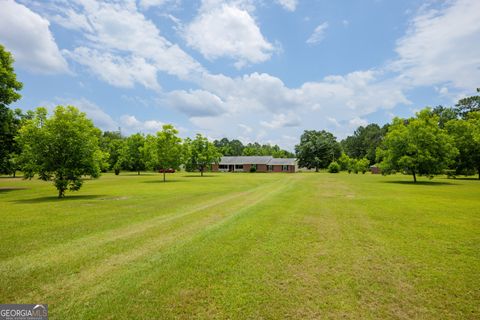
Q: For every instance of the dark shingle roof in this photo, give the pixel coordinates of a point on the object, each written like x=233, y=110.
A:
x=245, y=160
x=282, y=161
x=258, y=160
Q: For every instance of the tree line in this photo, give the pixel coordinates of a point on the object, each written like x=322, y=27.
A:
x=237, y=148
x=434, y=141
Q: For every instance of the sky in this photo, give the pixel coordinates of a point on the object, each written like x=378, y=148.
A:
x=262, y=70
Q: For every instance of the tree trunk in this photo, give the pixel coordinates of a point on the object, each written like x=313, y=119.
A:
x=201, y=172
x=414, y=177
x=139, y=172
x=316, y=169
x=163, y=175
x=15, y=172
x=61, y=193
x=478, y=173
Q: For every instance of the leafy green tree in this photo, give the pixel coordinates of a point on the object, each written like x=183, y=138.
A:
x=352, y=165
x=469, y=104
x=444, y=115
x=344, y=162
x=10, y=149
x=164, y=150
x=417, y=146
x=133, y=155
x=62, y=148
x=202, y=153
x=113, y=143
x=229, y=148
x=362, y=165
x=9, y=120
x=333, y=167
x=317, y=149
x=8, y=79
x=364, y=142
x=466, y=134
x=236, y=148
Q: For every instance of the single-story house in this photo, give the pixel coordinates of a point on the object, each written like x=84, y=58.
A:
x=260, y=163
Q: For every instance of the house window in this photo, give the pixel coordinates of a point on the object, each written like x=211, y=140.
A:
x=239, y=167
x=270, y=168
x=223, y=166
x=284, y=168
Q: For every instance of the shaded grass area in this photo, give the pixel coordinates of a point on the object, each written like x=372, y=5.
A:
x=242, y=246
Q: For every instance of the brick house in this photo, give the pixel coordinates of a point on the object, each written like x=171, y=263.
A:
x=260, y=163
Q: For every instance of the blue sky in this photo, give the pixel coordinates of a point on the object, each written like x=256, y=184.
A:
x=252, y=70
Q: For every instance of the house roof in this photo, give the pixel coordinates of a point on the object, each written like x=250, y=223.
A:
x=282, y=161
x=245, y=160
x=258, y=160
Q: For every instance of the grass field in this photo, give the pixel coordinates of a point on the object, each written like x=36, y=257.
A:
x=272, y=246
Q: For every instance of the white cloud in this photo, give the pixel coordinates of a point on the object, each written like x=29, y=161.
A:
x=282, y=120
x=318, y=34
x=27, y=35
x=246, y=128
x=99, y=117
x=262, y=98
x=357, y=122
x=289, y=5
x=228, y=31
x=116, y=70
x=334, y=121
x=146, y=4
x=195, y=103
x=442, y=46
x=119, y=44
x=131, y=125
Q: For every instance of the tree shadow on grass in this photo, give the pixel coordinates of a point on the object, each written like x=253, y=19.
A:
x=161, y=181
x=56, y=199
x=199, y=176
x=466, y=178
x=420, y=183
x=7, y=189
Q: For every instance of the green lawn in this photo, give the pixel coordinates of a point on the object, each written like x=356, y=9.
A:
x=239, y=246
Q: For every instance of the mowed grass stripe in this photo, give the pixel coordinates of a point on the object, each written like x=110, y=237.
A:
x=305, y=246
x=159, y=236
x=237, y=270
x=111, y=202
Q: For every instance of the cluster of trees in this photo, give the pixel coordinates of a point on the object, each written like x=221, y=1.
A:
x=237, y=148
x=66, y=147
x=438, y=140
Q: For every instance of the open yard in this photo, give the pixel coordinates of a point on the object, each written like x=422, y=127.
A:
x=241, y=246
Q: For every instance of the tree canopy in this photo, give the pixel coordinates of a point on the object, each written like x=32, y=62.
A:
x=62, y=148
x=10, y=120
x=317, y=149
x=466, y=136
x=469, y=104
x=164, y=150
x=133, y=154
x=417, y=146
x=9, y=85
x=201, y=153
x=237, y=148
x=364, y=142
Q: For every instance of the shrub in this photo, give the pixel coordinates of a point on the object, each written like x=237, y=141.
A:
x=253, y=169
x=333, y=167
x=363, y=165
